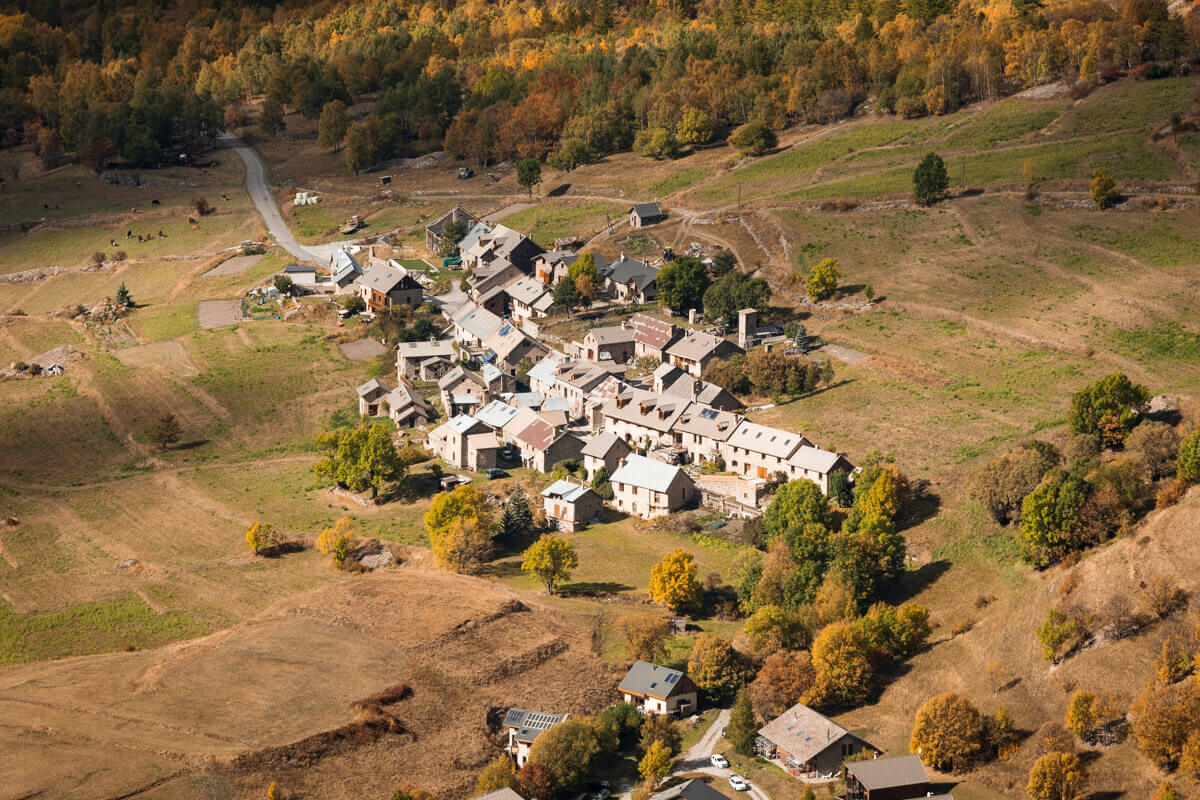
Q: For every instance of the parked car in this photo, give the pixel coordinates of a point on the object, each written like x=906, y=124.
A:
x=465, y=172
x=719, y=760
x=496, y=472
x=738, y=783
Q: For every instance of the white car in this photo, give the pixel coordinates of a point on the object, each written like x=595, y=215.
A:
x=738, y=783
x=719, y=760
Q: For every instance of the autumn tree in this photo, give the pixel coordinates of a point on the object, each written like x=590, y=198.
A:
x=948, y=732
x=529, y=173
x=270, y=121
x=694, y=127
x=360, y=458
x=646, y=635
x=550, y=559
x=463, y=546
x=1055, y=634
x=360, y=149
x=333, y=125
x=1166, y=792
x=261, y=538
x=49, y=148
x=844, y=674
x=166, y=431
x=1049, y=515
x=1056, y=776
x=1003, y=483
x=660, y=729
x=534, y=781
x=715, y=667
x=743, y=726
x=673, y=581
x=338, y=541
x=930, y=180
x=656, y=142
x=656, y=763
x=496, y=775
x=1155, y=445
x=1104, y=188
x=782, y=681
x=1163, y=718
x=822, y=280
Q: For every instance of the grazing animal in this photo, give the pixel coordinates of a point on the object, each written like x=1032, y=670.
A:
x=112, y=242
x=224, y=196
x=192, y=220
x=154, y=203
x=161, y=235
x=128, y=234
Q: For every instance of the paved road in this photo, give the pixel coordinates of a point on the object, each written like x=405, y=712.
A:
x=260, y=193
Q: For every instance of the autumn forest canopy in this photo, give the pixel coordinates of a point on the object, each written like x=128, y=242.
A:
x=494, y=80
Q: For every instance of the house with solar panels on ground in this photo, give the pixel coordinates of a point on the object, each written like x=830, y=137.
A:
x=659, y=690
x=523, y=727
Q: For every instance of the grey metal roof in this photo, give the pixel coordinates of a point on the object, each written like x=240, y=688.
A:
x=883, y=773
x=610, y=335
x=566, y=490
x=496, y=414
x=697, y=345
x=644, y=210
x=295, y=269
x=479, y=322
x=373, y=385
x=462, y=424
x=695, y=789
x=530, y=724
x=645, y=679
x=630, y=270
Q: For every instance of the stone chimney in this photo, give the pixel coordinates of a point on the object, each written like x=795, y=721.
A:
x=747, y=325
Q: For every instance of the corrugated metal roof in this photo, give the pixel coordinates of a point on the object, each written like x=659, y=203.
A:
x=884, y=773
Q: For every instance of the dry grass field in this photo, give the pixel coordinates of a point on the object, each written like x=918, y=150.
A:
x=131, y=613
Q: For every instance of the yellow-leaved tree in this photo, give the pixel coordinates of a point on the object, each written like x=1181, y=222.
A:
x=261, y=538
x=461, y=525
x=337, y=541
x=673, y=581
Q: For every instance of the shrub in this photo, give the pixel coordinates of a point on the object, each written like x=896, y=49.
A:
x=753, y=139
x=1156, y=445
x=673, y=581
x=930, y=180
x=782, y=681
x=1104, y=188
x=98, y=258
x=1107, y=408
x=822, y=280
x=1163, y=597
x=200, y=204
x=1055, y=634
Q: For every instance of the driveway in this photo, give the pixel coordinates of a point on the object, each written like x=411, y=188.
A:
x=696, y=759
x=260, y=193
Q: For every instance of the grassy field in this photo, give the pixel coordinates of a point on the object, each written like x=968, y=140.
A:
x=544, y=222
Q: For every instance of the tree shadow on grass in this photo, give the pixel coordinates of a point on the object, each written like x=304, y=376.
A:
x=508, y=568
x=192, y=445
x=592, y=589
x=915, y=581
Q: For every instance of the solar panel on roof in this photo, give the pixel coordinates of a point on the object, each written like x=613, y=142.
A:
x=708, y=413
x=671, y=678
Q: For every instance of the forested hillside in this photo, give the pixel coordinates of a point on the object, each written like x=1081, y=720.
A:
x=492, y=80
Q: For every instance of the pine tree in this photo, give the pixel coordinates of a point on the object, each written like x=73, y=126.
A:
x=517, y=518
x=742, y=727
x=166, y=431
x=124, y=298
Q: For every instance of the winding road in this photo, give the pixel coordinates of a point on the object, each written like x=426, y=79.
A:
x=260, y=192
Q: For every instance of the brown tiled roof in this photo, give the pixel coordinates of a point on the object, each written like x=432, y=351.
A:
x=652, y=332
x=538, y=434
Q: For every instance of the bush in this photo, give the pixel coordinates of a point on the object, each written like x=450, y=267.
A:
x=1056, y=776
x=753, y=139
x=822, y=280
x=1056, y=634
x=1156, y=446
x=98, y=258
x=1163, y=718
x=1187, y=466
x=1163, y=597
x=1107, y=409
x=200, y=204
